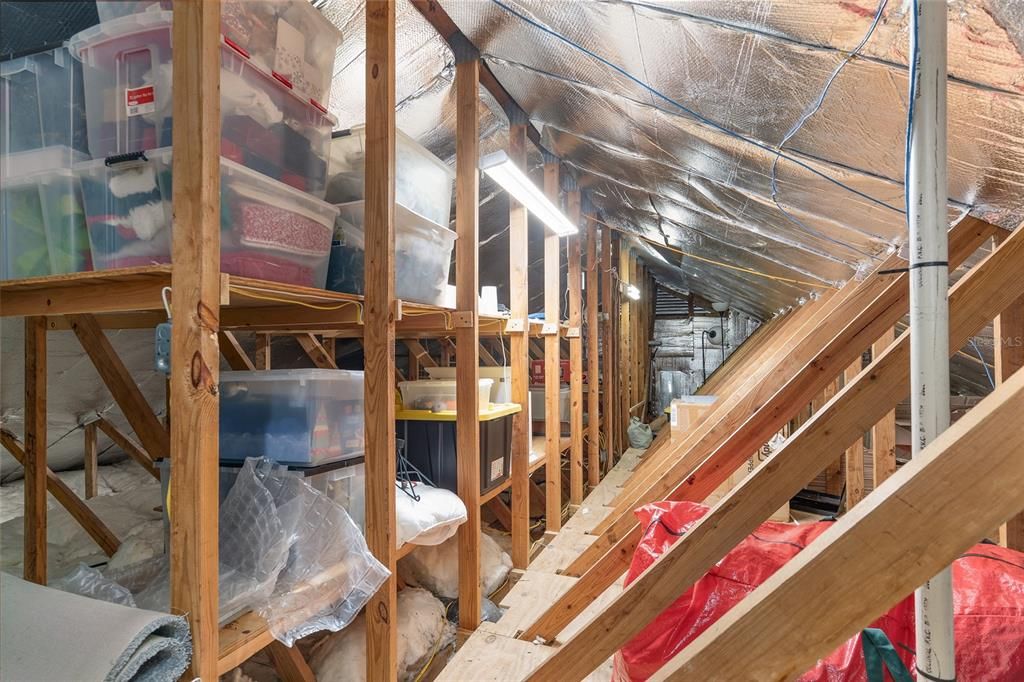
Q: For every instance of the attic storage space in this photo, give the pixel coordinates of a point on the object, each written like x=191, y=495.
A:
x=471, y=340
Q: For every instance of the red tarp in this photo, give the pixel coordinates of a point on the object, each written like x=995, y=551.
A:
x=989, y=602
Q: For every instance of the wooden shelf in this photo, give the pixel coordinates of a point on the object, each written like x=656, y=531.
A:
x=241, y=639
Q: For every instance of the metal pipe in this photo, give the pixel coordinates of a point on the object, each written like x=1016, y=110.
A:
x=929, y=311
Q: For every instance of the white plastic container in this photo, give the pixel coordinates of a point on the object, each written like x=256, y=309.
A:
x=423, y=255
x=304, y=417
x=42, y=103
x=265, y=124
x=537, y=410
x=268, y=230
x=42, y=224
x=501, y=389
x=438, y=395
x=423, y=182
x=289, y=37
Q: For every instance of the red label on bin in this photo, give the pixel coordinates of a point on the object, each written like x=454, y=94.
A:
x=140, y=100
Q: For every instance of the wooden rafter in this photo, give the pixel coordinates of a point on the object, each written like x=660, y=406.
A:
x=233, y=352
x=128, y=446
x=316, y=351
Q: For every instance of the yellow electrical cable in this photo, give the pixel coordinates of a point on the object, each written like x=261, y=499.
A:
x=314, y=306
x=711, y=261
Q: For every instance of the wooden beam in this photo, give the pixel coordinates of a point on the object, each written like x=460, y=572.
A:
x=234, y=353
x=607, y=350
x=379, y=335
x=416, y=349
x=240, y=640
x=195, y=308
x=914, y=527
x=486, y=358
x=552, y=357
x=873, y=392
x=315, y=351
x=1008, y=334
x=625, y=392
x=467, y=332
x=67, y=498
x=519, y=356
x=854, y=464
x=118, y=380
x=593, y=371
x=883, y=434
x=129, y=446
x=501, y=512
x=35, y=450
x=572, y=247
x=90, y=461
x=289, y=663
x=261, y=358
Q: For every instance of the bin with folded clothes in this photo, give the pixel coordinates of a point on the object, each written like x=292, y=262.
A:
x=42, y=225
x=266, y=124
x=268, y=230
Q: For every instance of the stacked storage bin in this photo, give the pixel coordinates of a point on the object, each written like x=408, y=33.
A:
x=42, y=133
x=423, y=197
x=277, y=59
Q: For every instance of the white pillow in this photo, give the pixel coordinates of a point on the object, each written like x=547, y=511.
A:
x=431, y=520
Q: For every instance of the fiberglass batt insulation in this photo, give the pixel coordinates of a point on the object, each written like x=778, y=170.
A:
x=422, y=630
x=436, y=567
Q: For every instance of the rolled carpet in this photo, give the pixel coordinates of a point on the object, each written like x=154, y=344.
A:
x=46, y=635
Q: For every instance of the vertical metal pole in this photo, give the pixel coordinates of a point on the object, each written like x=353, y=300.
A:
x=929, y=309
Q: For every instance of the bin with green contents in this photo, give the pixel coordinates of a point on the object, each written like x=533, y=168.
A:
x=268, y=230
x=42, y=224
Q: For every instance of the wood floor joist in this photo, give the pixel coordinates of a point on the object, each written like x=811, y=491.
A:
x=696, y=475
x=990, y=286
x=913, y=527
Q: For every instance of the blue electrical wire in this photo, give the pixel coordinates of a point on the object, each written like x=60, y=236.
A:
x=806, y=116
x=706, y=121
x=984, y=364
x=912, y=85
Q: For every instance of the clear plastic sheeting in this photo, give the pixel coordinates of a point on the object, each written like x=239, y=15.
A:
x=287, y=551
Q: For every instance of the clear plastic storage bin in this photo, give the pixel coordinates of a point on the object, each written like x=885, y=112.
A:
x=268, y=230
x=438, y=395
x=265, y=125
x=537, y=403
x=288, y=37
x=423, y=183
x=42, y=225
x=295, y=416
x=423, y=255
x=42, y=103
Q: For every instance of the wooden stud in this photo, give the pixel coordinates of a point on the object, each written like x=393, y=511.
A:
x=234, y=353
x=289, y=663
x=625, y=392
x=91, y=461
x=417, y=350
x=315, y=351
x=519, y=297
x=854, y=464
x=913, y=530
x=261, y=358
x=593, y=375
x=467, y=363
x=552, y=373
x=872, y=393
x=883, y=434
x=144, y=422
x=81, y=512
x=128, y=446
x=195, y=305
x=607, y=347
x=34, y=463
x=572, y=246
x=1008, y=333
x=379, y=335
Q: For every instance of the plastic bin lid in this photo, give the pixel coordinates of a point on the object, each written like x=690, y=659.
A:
x=60, y=56
x=297, y=375
x=361, y=131
x=403, y=217
x=438, y=383
x=24, y=167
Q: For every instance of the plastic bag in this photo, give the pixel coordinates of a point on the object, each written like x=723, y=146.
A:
x=430, y=520
x=640, y=434
x=89, y=582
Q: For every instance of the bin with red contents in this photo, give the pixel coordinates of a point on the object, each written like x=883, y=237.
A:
x=268, y=230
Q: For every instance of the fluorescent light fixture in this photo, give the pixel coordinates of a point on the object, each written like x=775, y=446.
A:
x=514, y=181
x=632, y=292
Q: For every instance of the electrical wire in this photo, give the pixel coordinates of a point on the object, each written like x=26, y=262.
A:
x=315, y=306
x=706, y=121
x=991, y=381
